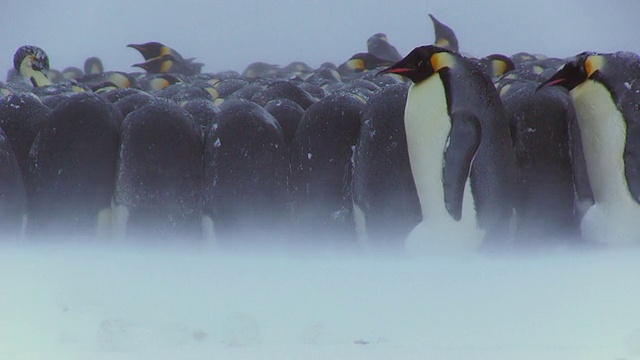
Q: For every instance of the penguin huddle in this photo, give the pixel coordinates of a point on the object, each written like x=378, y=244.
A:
x=428, y=152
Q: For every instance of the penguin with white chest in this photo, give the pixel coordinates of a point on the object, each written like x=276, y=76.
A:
x=604, y=92
x=460, y=152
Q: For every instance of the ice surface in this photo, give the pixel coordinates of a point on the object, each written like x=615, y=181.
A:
x=78, y=302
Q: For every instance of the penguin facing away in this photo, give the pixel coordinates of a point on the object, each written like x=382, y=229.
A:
x=386, y=205
x=21, y=117
x=13, y=198
x=72, y=166
x=159, y=175
x=460, y=152
x=540, y=129
x=245, y=177
x=321, y=155
x=378, y=45
x=603, y=89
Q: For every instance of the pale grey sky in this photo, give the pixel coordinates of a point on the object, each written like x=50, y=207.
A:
x=231, y=34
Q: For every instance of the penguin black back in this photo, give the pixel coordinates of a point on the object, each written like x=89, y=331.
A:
x=246, y=175
x=21, y=117
x=540, y=123
x=288, y=113
x=159, y=175
x=13, y=198
x=284, y=89
x=320, y=174
x=72, y=168
x=379, y=46
x=383, y=187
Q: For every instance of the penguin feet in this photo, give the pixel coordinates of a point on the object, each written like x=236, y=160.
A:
x=601, y=225
x=443, y=237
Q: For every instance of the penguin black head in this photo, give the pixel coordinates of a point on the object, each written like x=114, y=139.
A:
x=498, y=64
x=154, y=49
x=36, y=57
x=158, y=65
x=365, y=61
x=577, y=70
x=93, y=65
x=421, y=63
x=32, y=63
x=379, y=46
x=445, y=37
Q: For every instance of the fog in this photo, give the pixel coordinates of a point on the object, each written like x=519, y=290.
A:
x=229, y=35
x=71, y=300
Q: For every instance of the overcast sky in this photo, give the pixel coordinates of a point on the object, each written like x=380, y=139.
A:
x=231, y=34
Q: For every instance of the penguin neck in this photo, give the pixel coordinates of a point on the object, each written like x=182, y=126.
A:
x=603, y=132
x=37, y=78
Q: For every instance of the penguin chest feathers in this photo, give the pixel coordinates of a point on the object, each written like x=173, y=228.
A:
x=428, y=126
x=603, y=132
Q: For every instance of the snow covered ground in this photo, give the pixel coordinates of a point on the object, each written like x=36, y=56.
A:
x=78, y=302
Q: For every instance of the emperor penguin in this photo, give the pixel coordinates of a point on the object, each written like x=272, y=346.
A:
x=72, y=169
x=460, y=153
x=604, y=92
x=31, y=64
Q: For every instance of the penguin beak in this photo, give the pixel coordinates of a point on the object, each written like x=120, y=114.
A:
x=557, y=79
x=144, y=66
x=136, y=46
x=395, y=69
x=37, y=63
x=570, y=76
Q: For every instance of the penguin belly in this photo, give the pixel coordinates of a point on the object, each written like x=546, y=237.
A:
x=428, y=125
x=615, y=216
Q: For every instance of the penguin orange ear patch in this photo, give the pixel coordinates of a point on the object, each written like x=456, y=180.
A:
x=593, y=64
x=441, y=60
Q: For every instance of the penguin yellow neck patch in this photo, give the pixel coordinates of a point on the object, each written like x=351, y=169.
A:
x=356, y=64
x=37, y=78
x=441, y=60
x=166, y=66
x=498, y=67
x=593, y=64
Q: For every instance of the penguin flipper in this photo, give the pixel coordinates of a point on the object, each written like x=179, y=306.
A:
x=632, y=160
x=581, y=184
x=464, y=140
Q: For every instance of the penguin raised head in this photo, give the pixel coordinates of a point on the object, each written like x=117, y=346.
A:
x=154, y=49
x=31, y=63
x=445, y=36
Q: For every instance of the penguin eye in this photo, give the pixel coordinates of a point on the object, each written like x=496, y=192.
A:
x=421, y=63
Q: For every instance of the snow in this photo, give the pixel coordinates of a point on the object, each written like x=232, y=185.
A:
x=71, y=301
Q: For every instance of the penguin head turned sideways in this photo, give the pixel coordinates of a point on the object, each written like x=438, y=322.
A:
x=580, y=68
x=154, y=49
x=31, y=62
x=422, y=62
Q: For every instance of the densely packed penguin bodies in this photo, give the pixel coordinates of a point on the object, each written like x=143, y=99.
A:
x=333, y=150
